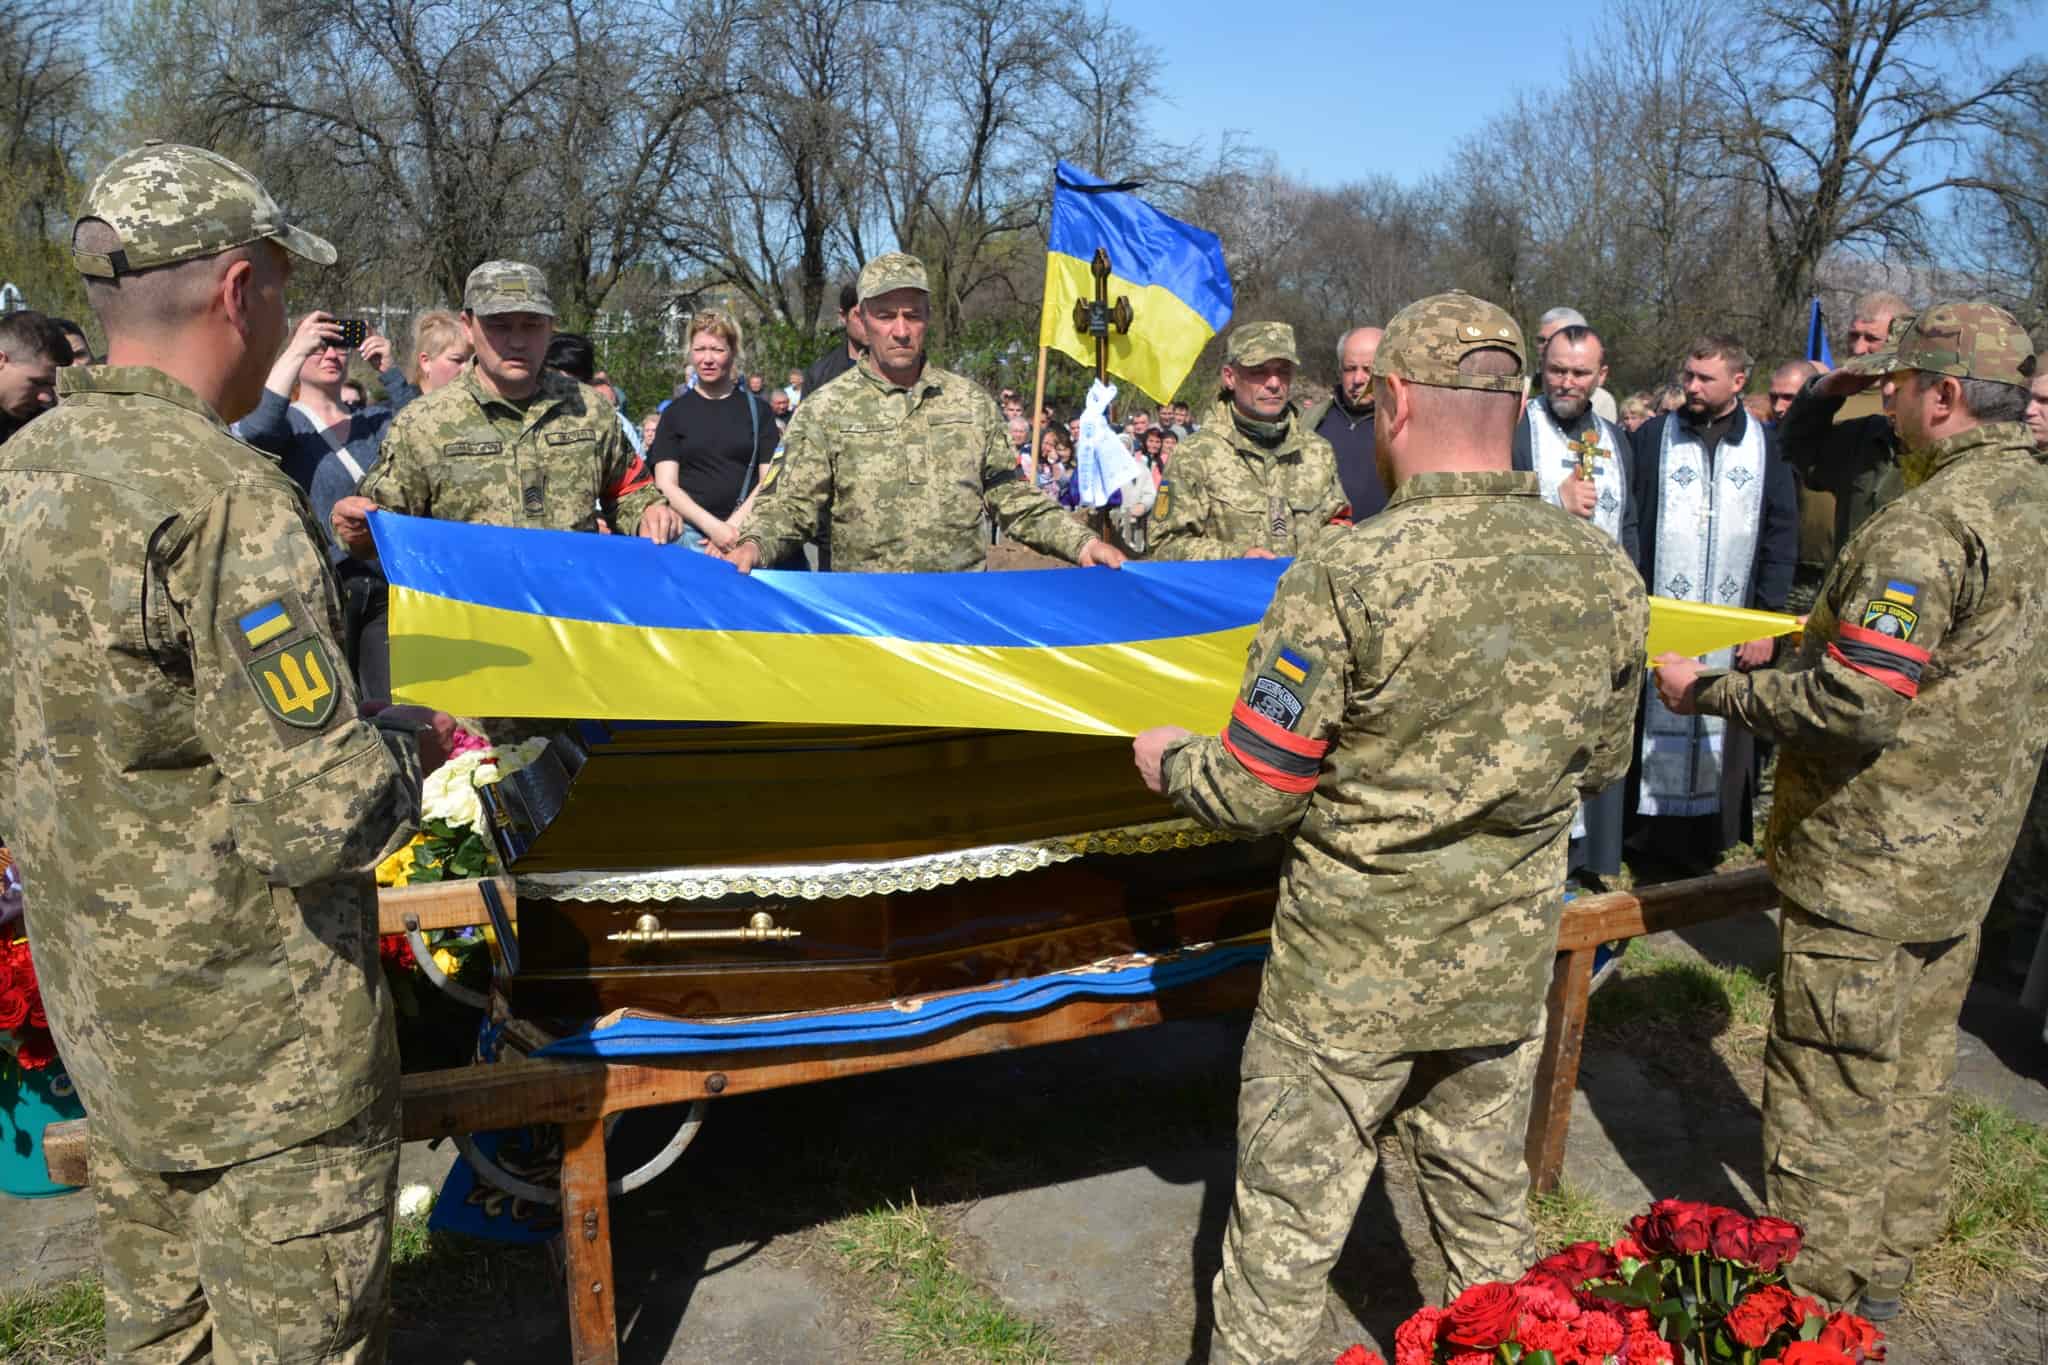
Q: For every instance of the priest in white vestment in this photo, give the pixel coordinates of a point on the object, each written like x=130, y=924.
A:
x=1581, y=462
x=1718, y=518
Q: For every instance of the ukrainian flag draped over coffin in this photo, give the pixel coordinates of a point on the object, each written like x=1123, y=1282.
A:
x=491, y=621
x=1173, y=274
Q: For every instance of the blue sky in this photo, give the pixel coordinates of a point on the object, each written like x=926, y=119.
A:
x=1342, y=91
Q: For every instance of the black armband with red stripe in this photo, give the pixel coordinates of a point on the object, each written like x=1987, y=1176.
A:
x=1278, y=757
x=1891, y=661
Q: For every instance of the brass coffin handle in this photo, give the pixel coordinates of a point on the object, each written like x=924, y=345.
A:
x=759, y=928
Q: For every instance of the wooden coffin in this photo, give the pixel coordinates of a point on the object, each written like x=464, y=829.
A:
x=816, y=867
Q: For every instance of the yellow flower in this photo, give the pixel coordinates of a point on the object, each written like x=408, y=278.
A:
x=397, y=869
x=445, y=960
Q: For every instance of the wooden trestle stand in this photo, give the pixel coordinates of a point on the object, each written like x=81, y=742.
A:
x=578, y=1095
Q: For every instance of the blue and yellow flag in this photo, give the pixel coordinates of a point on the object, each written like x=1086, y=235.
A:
x=498, y=621
x=1172, y=273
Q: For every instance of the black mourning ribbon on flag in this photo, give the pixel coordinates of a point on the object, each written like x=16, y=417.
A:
x=1122, y=187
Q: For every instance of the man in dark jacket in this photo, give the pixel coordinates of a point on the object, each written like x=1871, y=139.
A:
x=1345, y=421
x=1836, y=434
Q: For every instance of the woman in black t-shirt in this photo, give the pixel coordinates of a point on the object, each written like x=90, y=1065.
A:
x=714, y=441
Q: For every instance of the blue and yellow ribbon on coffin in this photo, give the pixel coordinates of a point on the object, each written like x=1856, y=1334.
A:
x=1172, y=272
x=491, y=621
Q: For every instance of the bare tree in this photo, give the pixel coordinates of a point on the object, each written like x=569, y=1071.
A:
x=1849, y=115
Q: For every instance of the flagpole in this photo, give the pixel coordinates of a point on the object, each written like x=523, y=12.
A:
x=1038, y=401
x=1038, y=388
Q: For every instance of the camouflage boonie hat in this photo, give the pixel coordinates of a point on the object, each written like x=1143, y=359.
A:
x=1426, y=340
x=1255, y=343
x=169, y=202
x=1966, y=340
x=891, y=270
x=506, y=287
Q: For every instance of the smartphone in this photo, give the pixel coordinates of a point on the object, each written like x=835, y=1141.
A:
x=353, y=331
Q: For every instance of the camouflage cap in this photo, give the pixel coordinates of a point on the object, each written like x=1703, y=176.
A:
x=1255, y=343
x=170, y=202
x=1966, y=340
x=889, y=271
x=506, y=287
x=1426, y=340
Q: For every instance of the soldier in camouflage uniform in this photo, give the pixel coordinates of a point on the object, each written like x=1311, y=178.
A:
x=1909, y=728
x=1427, y=699
x=1255, y=480
x=200, y=803
x=903, y=458
x=509, y=442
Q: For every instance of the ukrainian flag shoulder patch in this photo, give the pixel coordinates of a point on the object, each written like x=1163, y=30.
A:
x=1291, y=666
x=265, y=624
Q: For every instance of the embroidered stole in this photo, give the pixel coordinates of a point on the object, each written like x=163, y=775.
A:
x=1708, y=525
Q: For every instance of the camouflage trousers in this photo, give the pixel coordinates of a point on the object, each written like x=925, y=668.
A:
x=1857, y=1080
x=281, y=1259
x=1306, y=1121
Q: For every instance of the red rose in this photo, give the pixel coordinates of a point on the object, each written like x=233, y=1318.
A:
x=13, y=1008
x=1483, y=1316
x=1629, y=1249
x=1547, y=1296
x=1853, y=1336
x=1415, y=1339
x=1358, y=1355
x=38, y=1017
x=36, y=1051
x=1729, y=1237
x=1578, y=1263
x=1470, y=1358
x=1677, y=1227
x=6, y=971
x=1773, y=1242
x=396, y=951
x=1810, y=1353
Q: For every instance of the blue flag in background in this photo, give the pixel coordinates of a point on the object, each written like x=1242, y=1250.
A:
x=1817, y=336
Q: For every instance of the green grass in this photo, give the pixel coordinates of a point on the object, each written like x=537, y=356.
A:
x=1569, y=1214
x=932, y=1311
x=1997, y=1233
x=55, y=1325
x=431, y=1270
x=1664, y=992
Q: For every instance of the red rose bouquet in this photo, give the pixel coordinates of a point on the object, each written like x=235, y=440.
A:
x=1691, y=1284
x=24, y=1027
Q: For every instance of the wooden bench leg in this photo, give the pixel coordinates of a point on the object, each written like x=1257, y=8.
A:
x=1557, y=1072
x=587, y=1245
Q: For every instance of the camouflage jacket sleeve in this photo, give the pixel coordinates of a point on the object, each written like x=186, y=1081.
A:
x=1895, y=593
x=628, y=484
x=1616, y=744
x=314, y=792
x=1257, y=776
x=793, y=500
x=398, y=481
x=1022, y=511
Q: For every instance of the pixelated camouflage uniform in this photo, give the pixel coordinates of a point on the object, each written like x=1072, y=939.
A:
x=1910, y=726
x=461, y=453
x=1227, y=492
x=203, y=815
x=1426, y=700
x=203, y=811
x=905, y=475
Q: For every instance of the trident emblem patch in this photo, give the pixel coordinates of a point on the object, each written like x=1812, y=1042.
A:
x=296, y=684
